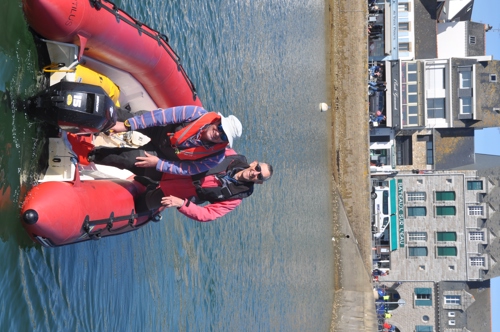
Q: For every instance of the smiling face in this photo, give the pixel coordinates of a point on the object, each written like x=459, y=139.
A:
x=212, y=134
x=257, y=173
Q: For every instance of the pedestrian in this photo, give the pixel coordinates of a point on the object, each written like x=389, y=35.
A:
x=224, y=187
x=376, y=86
x=185, y=140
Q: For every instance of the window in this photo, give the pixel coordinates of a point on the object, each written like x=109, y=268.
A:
x=404, y=47
x=404, y=150
x=403, y=7
x=423, y=296
x=378, y=183
x=465, y=79
x=410, y=99
x=429, y=152
x=476, y=236
x=380, y=139
x=435, y=78
x=445, y=195
x=465, y=105
x=475, y=210
x=452, y=299
x=435, y=108
x=404, y=26
x=447, y=251
x=429, y=148
x=476, y=261
x=493, y=78
x=423, y=328
x=417, y=251
x=412, y=110
x=385, y=202
x=446, y=211
x=417, y=236
x=472, y=39
x=417, y=211
x=474, y=185
x=446, y=236
x=416, y=196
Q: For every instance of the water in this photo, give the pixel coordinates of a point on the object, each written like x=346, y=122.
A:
x=267, y=266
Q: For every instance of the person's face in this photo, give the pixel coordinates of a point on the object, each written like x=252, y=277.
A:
x=214, y=133
x=256, y=173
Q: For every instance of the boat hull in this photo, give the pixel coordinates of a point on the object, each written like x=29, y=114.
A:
x=59, y=213
x=117, y=40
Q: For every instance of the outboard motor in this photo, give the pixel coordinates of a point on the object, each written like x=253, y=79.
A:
x=74, y=107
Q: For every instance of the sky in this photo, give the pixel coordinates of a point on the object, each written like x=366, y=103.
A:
x=488, y=12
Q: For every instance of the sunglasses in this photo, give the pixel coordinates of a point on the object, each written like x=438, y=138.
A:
x=260, y=177
x=223, y=135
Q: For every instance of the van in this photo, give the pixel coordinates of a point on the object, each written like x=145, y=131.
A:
x=382, y=209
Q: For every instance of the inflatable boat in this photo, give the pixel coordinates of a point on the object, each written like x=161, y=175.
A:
x=96, y=58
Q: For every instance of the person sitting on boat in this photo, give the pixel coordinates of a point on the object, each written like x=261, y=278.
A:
x=185, y=140
x=223, y=186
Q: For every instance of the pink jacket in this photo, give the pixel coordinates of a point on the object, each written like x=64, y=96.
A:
x=182, y=187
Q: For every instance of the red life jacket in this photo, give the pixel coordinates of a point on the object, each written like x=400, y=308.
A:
x=198, y=152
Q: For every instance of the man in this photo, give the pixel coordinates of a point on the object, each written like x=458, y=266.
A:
x=223, y=186
x=185, y=140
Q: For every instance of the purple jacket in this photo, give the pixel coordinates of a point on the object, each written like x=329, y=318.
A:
x=179, y=114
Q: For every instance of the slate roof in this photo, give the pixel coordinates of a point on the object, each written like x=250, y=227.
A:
x=477, y=315
x=425, y=29
x=483, y=162
x=453, y=147
x=465, y=14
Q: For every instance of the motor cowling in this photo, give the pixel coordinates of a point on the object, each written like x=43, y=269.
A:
x=74, y=107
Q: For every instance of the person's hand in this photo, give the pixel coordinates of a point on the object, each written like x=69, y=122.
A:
x=148, y=161
x=119, y=127
x=172, y=201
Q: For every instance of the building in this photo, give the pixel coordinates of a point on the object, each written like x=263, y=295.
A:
x=424, y=306
x=442, y=102
x=441, y=230
x=441, y=250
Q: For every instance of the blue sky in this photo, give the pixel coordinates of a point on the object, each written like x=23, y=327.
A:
x=488, y=12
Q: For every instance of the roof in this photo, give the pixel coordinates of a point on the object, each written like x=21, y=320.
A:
x=462, y=12
x=453, y=148
x=483, y=162
x=425, y=29
x=475, y=299
x=455, y=10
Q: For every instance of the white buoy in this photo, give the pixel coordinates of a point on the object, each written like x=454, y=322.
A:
x=323, y=107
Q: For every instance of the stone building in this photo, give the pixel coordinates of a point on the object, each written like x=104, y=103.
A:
x=425, y=306
x=441, y=249
x=440, y=230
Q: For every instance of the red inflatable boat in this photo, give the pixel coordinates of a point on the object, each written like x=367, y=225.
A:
x=92, y=41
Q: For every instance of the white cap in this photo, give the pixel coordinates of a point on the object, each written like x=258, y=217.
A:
x=232, y=127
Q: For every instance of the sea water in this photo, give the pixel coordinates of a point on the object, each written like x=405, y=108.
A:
x=268, y=265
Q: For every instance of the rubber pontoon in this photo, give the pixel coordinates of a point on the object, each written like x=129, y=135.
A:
x=74, y=202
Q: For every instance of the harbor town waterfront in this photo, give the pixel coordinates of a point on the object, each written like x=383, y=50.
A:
x=272, y=264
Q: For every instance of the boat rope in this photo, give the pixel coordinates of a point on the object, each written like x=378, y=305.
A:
x=89, y=225
x=161, y=39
